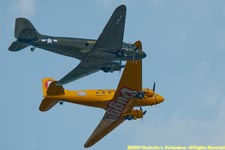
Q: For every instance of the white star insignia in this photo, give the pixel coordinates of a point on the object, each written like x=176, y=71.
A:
x=119, y=19
x=49, y=40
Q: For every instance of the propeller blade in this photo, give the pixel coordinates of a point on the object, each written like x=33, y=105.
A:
x=154, y=87
x=144, y=112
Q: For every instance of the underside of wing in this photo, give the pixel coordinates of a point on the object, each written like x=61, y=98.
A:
x=103, y=128
x=110, y=121
x=82, y=70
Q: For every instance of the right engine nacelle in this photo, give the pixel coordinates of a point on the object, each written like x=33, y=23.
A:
x=113, y=66
x=135, y=114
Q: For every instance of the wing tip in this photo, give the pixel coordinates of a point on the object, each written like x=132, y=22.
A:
x=122, y=7
x=86, y=145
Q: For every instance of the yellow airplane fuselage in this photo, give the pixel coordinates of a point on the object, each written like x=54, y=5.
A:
x=100, y=98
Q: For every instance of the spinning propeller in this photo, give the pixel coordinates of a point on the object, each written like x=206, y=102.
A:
x=145, y=111
x=155, y=95
x=153, y=87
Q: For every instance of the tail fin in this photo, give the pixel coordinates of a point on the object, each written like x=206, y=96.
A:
x=45, y=85
x=24, y=31
x=49, y=89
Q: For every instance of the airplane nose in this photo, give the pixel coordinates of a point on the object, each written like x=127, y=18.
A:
x=139, y=55
x=160, y=99
x=144, y=55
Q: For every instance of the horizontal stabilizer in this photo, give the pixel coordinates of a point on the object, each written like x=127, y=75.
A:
x=47, y=104
x=16, y=46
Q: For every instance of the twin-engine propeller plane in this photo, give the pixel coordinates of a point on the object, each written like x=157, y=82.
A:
x=105, y=53
x=118, y=104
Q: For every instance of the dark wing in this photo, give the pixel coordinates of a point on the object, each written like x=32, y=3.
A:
x=109, y=41
x=112, y=35
x=83, y=69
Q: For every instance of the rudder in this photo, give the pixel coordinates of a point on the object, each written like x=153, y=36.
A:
x=45, y=85
x=24, y=30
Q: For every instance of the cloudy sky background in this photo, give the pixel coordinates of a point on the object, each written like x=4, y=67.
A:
x=185, y=44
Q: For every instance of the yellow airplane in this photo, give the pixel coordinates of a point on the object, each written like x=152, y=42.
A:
x=119, y=104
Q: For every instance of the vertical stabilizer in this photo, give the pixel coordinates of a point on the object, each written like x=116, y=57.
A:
x=24, y=30
x=50, y=89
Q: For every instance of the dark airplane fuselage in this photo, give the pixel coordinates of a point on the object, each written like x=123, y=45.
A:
x=77, y=47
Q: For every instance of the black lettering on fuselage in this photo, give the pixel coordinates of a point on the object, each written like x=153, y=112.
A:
x=116, y=107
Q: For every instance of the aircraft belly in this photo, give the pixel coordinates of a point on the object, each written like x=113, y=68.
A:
x=88, y=98
x=75, y=52
x=88, y=101
x=102, y=105
x=71, y=49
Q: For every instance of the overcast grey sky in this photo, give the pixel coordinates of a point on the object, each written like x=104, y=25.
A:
x=185, y=44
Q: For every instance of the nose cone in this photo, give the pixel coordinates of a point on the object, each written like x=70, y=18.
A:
x=159, y=99
x=144, y=54
x=138, y=55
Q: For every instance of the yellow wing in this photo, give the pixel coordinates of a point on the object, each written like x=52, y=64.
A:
x=129, y=86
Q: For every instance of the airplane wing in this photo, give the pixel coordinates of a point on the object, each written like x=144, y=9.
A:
x=122, y=103
x=111, y=38
x=83, y=69
x=104, y=127
x=109, y=41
